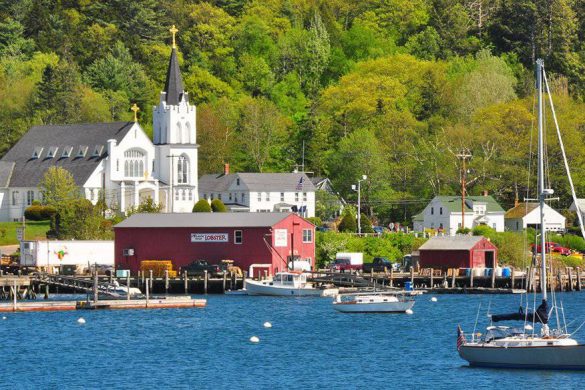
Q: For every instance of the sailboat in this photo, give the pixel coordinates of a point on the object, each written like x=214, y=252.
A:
x=509, y=347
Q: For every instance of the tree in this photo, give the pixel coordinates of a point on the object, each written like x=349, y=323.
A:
x=366, y=224
x=348, y=220
x=202, y=206
x=60, y=191
x=146, y=206
x=217, y=206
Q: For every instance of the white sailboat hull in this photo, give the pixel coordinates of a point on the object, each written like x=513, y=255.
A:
x=570, y=357
x=254, y=287
x=380, y=307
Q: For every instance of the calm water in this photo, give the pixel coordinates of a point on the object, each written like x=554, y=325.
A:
x=309, y=346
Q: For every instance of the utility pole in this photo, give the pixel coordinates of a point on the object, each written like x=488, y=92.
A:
x=464, y=155
x=359, y=211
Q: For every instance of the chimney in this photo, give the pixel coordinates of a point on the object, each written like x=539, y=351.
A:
x=226, y=169
x=485, y=193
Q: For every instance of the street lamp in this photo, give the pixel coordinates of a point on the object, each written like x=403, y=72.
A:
x=359, y=212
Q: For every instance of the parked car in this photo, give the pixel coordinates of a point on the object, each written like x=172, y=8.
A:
x=345, y=261
x=380, y=264
x=323, y=228
x=552, y=247
x=379, y=229
x=198, y=267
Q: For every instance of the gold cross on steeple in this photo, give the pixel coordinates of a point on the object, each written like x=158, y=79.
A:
x=173, y=31
x=135, y=108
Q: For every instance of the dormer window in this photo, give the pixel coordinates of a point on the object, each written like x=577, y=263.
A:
x=97, y=151
x=37, y=152
x=52, y=151
x=238, y=181
x=67, y=151
x=81, y=152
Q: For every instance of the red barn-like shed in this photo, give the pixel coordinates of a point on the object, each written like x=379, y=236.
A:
x=458, y=252
x=247, y=238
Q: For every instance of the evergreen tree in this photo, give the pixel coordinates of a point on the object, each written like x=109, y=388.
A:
x=202, y=206
x=217, y=206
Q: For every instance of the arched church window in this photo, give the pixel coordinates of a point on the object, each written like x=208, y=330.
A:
x=183, y=170
x=187, y=134
x=134, y=163
x=179, y=133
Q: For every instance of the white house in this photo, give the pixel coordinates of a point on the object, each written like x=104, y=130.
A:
x=526, y=215
x=581, y=203
x=116, y=159
x=444, y=213
x=260, y=192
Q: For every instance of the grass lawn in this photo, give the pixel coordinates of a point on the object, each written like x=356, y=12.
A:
x=34, y=230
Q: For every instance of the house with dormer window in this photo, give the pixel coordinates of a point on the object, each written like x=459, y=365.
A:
x=444, y=214
x=115, y=160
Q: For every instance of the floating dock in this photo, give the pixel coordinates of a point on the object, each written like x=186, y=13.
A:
x=152, y=303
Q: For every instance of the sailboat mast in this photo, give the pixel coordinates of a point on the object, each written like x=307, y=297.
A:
x=541, y=190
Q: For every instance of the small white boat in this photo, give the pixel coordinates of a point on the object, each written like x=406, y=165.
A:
x=284, y=284
x=116, y=289
x=382, y=302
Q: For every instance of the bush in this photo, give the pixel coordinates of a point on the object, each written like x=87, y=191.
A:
x=217, y=206
x=315, y=221
x=33, y=213
x=36, y=202
x=48, y=212
x=366, y=224
x=348, y=224
x=202, y=207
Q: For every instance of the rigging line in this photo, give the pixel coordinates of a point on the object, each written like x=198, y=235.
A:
x=576, y=330
x=565, y=158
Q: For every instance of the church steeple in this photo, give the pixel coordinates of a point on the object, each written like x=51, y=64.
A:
x=174, y=91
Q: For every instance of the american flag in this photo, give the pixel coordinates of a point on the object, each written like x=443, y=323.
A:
x=300, y=184
x=460, y=338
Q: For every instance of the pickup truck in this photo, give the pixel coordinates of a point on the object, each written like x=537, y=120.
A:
x=379, y=264
x=198, y=267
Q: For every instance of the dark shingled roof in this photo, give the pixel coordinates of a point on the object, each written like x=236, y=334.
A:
x=6, y=168
x=28, y=171
x=267, y=182
x=174, y=83
x=205, y=220
x=450, y=243
x=521, y=210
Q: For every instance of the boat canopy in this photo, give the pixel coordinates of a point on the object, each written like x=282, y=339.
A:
x=541, y=315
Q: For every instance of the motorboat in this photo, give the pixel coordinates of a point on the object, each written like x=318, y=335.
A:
x=372, y=302
x=525, y=347
x=117, y=290
x=284, y=284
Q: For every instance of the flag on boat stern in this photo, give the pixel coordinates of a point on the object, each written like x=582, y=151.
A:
x=460, y=338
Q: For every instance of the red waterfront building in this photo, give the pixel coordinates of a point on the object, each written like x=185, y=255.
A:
x=458, y=252
x=267, y=240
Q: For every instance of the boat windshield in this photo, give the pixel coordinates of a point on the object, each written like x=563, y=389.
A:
x=500, y=332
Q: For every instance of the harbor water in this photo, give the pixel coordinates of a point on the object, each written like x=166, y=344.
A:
x=309, y=345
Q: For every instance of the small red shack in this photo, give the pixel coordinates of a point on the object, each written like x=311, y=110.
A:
x=458, y=252
x=265, y=239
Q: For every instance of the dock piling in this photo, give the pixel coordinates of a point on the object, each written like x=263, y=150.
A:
x=432, y=278
x=166, y=281
x=570, y=270
x=147, y=291
x=186, y=282
x=471, y=278
x=224, y=280
x=205, y=280
x=512, y=277
x=128, y=285
x=578, y=278
x=453, y=277
x=494, y=277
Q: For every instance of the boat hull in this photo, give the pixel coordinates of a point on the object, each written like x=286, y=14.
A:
x=262, y=288
x=570, y=357
x=381, y=307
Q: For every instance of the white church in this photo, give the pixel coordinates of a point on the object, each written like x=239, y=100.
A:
x=116, y=159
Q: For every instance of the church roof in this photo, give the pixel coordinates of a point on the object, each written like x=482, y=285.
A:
x=174, y=83
x=6, y=168
x=77, y=148
x=262, y=182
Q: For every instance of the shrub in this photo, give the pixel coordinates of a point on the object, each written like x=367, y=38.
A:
x=202, y=207
x=348, y=224
x=48, y=212
x=33, y=213
x=366, y=224
x=217, y=206
x=36, y=202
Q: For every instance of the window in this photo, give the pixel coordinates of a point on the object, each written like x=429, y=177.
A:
x=243, y=197
x=37, y=152
x=205, y=196
x=268, y=196
x=304, y=196
x=176, y=194
x=259, y=197
x=52, y=152
x=441, y=210
x=219, y=196
x=230, y=196
x=238, y=181
x=237, y=236
x=494, y=226
x=133, y=163
x=15, y=198
x=296, y=196
x=117, y=165
x=183, y=195
x=179, y=133
x=30, y=196
x=432, y=210
x=97, y=150
x=282, y=196
x=186, y=133
x=307, y=235
x=459, y=225
x=183, y=170
x=517, y=225
x=81, y=152
x=67, y=151
x=190, y=195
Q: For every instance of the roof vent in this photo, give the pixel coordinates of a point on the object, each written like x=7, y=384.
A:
x=67, y=151
x=37, y=152
x=52, y=151
x=82, y=151
x=97, y=150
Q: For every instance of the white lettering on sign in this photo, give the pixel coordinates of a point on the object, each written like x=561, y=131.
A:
x=209, y=237
x=280, y=238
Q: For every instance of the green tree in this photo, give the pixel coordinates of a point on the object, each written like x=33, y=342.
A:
x=348, y=223
x=217, y=206
x=202, y=206
x=146, y=206
x=366, y=224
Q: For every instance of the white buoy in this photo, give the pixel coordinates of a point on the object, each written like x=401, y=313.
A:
x=267, y=324
x=4, y=317
x=409, y=312
x=254, y=339
x=434, y=299
x=81, y=320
